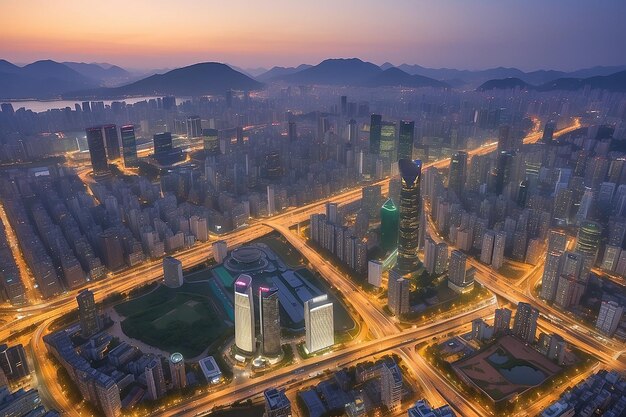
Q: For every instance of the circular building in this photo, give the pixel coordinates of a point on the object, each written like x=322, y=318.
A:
x=246, y=259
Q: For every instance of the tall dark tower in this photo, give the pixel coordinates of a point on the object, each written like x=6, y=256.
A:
x=162, y=144
x=87, y=313
x=293, y=132
x=407, y=136
x=457, y=172
x=129, y=145
x=112, y=141
x=269, y=321
x=503, y=170
x=97, y=151
x=376, y=124
x=410, y=201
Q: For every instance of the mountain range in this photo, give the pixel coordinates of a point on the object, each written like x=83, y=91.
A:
x=48, y=79
x=614, y=82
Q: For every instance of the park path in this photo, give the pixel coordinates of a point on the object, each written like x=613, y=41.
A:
x=116, y=331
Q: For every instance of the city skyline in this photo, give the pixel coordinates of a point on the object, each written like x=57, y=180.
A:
x=478, y=35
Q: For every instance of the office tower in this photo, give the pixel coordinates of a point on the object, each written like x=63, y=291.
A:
x=525, y=323
x=502, y=321
x=172, y=272
x=343, y=105
x=169, y=103
x=194, y=127
x=210, y=142
x=88, y=313
x=430, y=254
x=557, y=241
x=319, y=323
x=389, y=224
x=460, y=278
x=332, y=213
x=112, y=250
x=177, y=370
x=13, y=362
x=269, y=319
x=410, y=172
x=611, y=258
x=112, y=142
x=271, y=199
x=550, y=278
x=406, y=140
x=353, y=133
x=609, y=317
x=568, y=291
x=398, y=292
x=97, y=151
x=563, y=201
x=584, y=206
x=588, y=242
x=572, y=263
x=129, y=146
x=375, y=273
x=162, y=143
x=273, y=166
x=154, y=378
x=245, y=338
x=457, y=172
x=441, y=258
x=276, y=403
x=486, y=253
x=548, y=131
x=505, y=140
x=391, y=386
x=220, y=251
x=292, y=131
x=503, y=171
x=388, y=142
x=371, y=196
x=108, y=395
x=376, y=123
x=497, y=260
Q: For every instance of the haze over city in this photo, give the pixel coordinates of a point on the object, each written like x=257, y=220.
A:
x=312, y=209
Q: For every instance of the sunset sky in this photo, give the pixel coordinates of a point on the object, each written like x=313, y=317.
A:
x=472, y=34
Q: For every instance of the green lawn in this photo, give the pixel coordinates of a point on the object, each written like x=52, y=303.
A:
x=174, y=319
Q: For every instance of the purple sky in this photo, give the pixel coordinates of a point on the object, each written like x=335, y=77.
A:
x=465, y=34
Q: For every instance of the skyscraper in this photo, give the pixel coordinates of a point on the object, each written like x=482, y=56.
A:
x=292, y=132
x=550, y=278
x=194, y=127
x=211, y=142
x=457, y=172
x=410, y=172
x=525, y=323
x=588, y=243
x=503, y=171
x=353, y=133
x=245, y=337
x=460, y=279
x=172, y=272
x=319, y=323
x=269, y=318
x=112, y=141
x=13, y=362
x=97, y=151
x=129, y=146
x=177, y=370
x=162, y=143
x=398, y=293
x=376, y=123
x=391, y=386
x=609, y=317
x=388, y=142
x=87, y=313
x=112, y=250
x=154, y=378
x=406, y=139
x=389, y=224
x=502, y=321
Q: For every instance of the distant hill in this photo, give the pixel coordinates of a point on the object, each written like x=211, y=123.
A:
x=194, y=80
x=350, y=71
x=40, y=80
x=615, y=82
x=504, y=84
x=104, y=73
x=396, y=77
x=277, y=72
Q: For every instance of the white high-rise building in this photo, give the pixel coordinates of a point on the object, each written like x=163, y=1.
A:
x=319, y=323
x=391, y=387
x=220, y=251
x=374, y=273
x=609, y=317
x=271, y=200
x=245, y=336
x=398, y=293
x=172, y=272
x=497, y=259
x=487, y=247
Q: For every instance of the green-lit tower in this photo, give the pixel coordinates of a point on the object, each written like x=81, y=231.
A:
x=389, y=224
